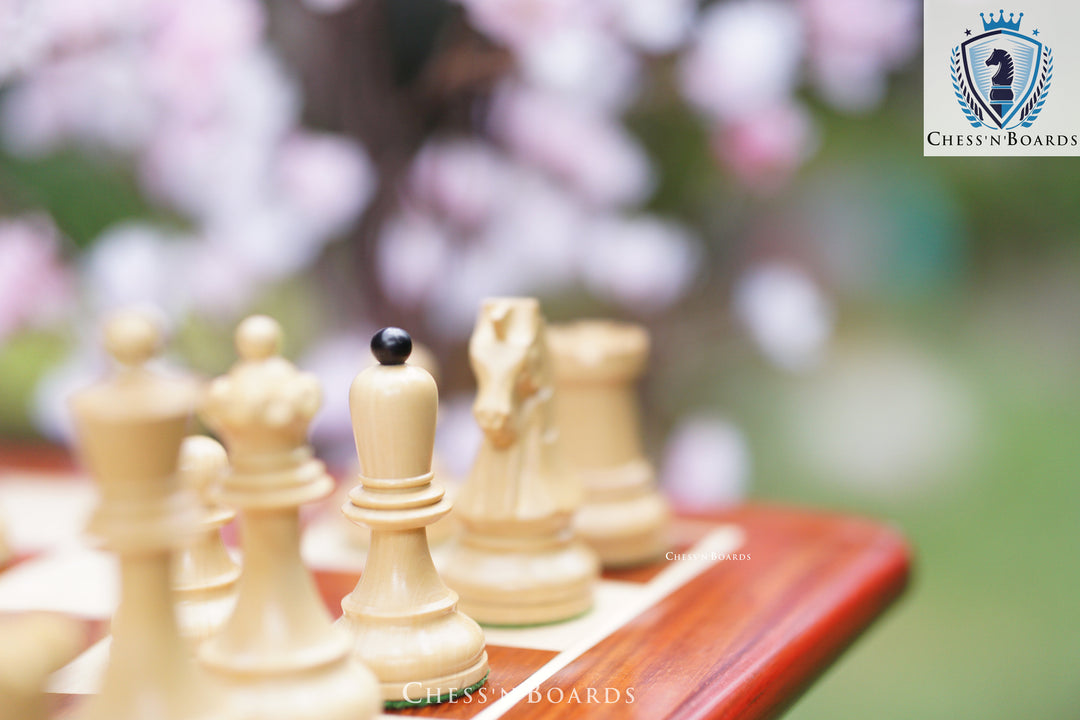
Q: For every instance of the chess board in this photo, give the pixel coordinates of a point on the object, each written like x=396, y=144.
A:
x=748, y=609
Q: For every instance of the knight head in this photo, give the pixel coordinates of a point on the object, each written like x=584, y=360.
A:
x=508, y=356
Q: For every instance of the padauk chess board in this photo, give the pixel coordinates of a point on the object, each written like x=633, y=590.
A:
x=700, y=634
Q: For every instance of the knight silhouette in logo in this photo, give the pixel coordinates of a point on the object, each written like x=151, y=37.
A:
x=1001, y=94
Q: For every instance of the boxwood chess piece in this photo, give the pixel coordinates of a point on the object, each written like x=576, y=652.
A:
x=129, y=431
x=279, y=654
x=597, y=363
x=517, y=561
x=404, y=621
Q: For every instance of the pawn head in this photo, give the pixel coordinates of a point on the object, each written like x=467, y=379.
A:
x=391, y=346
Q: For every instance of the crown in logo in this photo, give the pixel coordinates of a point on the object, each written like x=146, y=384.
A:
x=1001, y=22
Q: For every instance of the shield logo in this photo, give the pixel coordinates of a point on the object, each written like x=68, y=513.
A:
x=1001, y=68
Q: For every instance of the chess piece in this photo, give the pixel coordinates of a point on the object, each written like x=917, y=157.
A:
x=34, y=647
x=404, y=620
x=279, y=653
x=517, y=561
x=597, y=363
x=129, y=431
x=441, y=530
x=204, y=574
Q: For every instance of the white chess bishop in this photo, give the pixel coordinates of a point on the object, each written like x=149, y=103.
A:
x=279, y=656
x=404, y=621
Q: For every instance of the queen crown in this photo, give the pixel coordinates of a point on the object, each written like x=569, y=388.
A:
x=264, y=402
x=1001, y=23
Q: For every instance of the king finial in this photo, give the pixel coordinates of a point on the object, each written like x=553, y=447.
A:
x=1001, y=23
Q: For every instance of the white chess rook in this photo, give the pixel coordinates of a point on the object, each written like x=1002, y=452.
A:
x=279, y=654
x=517, y=562
x=403, y=619
x=129, y=429
x=597, y=365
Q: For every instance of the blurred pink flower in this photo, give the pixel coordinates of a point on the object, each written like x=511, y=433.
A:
x=744, y=57
x=537, y=227
x=644, y=263
x=132, y=263
x=327, y=179
x=336, y=360
x=654, y=26
x=786, y=313
x=189, y=44
x=764, y=150
x=94, y=98
x=583, y=63
x=706, y=463
x=460, y=179
x=854, y=43
x=413, y=253
x=34, y=285
x=575, y=143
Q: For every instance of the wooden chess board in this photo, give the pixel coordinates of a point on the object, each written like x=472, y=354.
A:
x=753, y=605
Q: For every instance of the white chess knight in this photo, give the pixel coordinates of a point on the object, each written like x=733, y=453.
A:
x=403, y=619
x=517, y=562
x=279, y=655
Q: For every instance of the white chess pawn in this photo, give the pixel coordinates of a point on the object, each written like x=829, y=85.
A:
x=129, y=430
x=279, y=654
x=404, y=620
x=204, y=574
x=597, y=363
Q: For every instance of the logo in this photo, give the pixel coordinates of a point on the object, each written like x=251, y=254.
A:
x=1001, y=77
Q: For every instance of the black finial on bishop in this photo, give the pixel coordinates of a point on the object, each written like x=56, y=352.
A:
x=391, y=346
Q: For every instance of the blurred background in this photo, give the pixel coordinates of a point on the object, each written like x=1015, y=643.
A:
x=837, y=321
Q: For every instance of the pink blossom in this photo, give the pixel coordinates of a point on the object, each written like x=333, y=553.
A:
x=93, y=98
x=460, y=179
x=132, y=263
x=191, y=42
x=336, y=360
x=575, y=143
x=654, y=26
x=34, y=285
x=854, y=43
x=745, y=56
x=786, y=314
x=644, y=263
x=327, y=179
x=764, y=150
x=583, y=63
x=413, y=253
x=706, y=463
